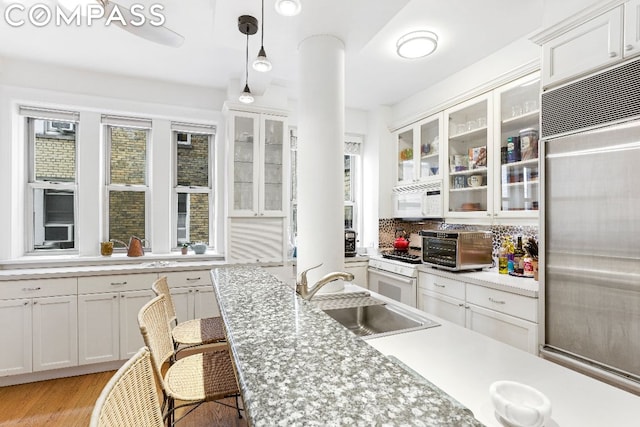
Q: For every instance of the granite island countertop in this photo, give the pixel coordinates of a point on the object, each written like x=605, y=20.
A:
x=297, y=366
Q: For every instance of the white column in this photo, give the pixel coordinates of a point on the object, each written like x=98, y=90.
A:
x=320, y=158
x=162, y=152
x=90, y=184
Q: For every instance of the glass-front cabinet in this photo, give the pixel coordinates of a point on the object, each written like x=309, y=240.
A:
x=418, y=151
x=517, y=184
x=468, y=189
x=257, y=164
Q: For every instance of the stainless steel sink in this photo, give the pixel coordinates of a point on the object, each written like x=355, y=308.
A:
x=379, y=320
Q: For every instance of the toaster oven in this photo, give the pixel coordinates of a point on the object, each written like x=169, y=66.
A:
x=457, y=250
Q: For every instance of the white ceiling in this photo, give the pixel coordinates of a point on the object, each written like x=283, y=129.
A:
x=214, y=50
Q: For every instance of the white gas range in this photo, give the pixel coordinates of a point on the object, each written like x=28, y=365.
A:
x=395, y=278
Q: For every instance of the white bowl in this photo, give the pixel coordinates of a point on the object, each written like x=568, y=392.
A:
x=519, y=404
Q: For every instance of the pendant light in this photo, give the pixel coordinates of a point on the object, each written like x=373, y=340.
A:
x=247, y=25
x=262, y=63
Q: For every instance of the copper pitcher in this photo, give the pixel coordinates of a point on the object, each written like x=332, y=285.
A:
x=135, y=246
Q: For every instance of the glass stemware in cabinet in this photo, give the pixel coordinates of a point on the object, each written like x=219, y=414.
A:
x=519, y=187
x=243, y=159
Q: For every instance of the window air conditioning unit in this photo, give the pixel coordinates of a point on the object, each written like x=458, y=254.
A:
x=58, y=233
x=66, y=127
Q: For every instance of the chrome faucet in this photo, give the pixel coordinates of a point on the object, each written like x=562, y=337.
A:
x=302, y=287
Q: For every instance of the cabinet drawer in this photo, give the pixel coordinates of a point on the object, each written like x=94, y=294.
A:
x=503, y=302
x=443, y=285
x=15, y=289
x=115, y=283
x=187, y=278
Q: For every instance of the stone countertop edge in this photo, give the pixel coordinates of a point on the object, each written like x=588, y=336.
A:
x=490, y=278
x=296, y=366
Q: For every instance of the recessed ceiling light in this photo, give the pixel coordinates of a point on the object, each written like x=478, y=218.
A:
x=288, y=7
x=417, y=44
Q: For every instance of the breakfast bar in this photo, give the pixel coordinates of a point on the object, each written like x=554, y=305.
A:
x=296, y=366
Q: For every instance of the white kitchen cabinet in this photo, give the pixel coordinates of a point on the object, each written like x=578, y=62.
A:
x=501, y=315
x=631, y=28
x=257, y=164
x=516, y=173
x=587, y=47
x=40, y=319
x=193, y=295
x=359, y=269
x=418, y=151
x=468, y=191
x=596, y=39
x=108, y=309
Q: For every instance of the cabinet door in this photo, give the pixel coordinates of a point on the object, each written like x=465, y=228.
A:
x=451, y=309
x=130, y=336
x=98, y=328
x=244, y=168
x=272, y=167
x=15, y=335
x=359, y=271
x=507, y=329
x=182, y=302
x=427, y=148
x=204, y=302
x=406, y=170
x=469, y=153
x=631, y=28
x=516, y=171
x=592, y=45
x=55, y=332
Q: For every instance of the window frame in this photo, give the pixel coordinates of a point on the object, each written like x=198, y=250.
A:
x=109, y=187
x=30, y=115
x=210, y=132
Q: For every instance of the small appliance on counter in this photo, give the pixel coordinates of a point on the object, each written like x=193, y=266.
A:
x=457, y=250
x=349, y=242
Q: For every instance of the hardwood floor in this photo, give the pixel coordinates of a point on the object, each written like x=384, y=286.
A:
x=68, y=402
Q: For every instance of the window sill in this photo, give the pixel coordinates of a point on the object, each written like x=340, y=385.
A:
x=149, y=260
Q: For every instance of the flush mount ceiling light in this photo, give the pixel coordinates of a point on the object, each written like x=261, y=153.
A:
x=417, y=44
x=262, y=63
x=247, y=25
x=288, y=7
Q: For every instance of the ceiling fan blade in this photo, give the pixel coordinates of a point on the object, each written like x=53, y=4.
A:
x=160, y=34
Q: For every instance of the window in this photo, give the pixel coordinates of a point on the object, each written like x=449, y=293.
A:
x=193, y=184
x=351, y=182
x=126, y=177
x=51, y=140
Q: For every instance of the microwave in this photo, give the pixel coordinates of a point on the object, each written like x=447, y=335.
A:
x=422, y=200
x=457, y=250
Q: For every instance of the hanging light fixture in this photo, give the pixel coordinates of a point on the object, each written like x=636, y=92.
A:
x=262, y=63
x=417, y=44
x=288, y=7
x=247, y=25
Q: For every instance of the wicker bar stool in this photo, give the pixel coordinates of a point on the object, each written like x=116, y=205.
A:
x=130, y=398
x=190, y=333
x=202, y=377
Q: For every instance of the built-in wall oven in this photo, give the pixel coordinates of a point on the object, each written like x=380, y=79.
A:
x=394, y=279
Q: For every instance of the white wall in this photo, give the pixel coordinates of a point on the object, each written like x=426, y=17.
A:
x=90, y=94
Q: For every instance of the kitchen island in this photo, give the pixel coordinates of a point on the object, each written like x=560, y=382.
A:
x=296, y=365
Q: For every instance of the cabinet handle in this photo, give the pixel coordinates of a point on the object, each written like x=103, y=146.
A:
x=31, y=289
x=461, y=304
x=115, y=296
x=192, y=278
x=197, y=290
x=628, y=47
x=255, y=214
x=613, y=54
x=496, y=301
x=118, y=283
x=439, y=285
x=35, y=302
x=26, y=303
x=190, y=291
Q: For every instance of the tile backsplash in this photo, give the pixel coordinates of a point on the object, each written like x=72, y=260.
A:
x=387, y=230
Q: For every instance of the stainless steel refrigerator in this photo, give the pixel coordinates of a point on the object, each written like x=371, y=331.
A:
x=591, y=225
